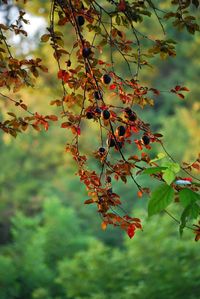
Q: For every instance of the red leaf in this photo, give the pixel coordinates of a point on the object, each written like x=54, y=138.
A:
x=177, y=87
x=66, y=77
x=112, y=86
x=184, y=88
x=131, y=231
x=78, y=131
x=180, y=95
x=52, y=117
x=65, y=125
x=158, y=135
x=46, y=125
x=134, y=129
x=60, y=74
x=122, y=5
x=196, y=166
x=63, y=75
x=155, y=91
x=101, y=62
x=88, y=201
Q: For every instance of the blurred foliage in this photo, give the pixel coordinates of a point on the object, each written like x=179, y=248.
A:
x=53, y=256
x=54, y=248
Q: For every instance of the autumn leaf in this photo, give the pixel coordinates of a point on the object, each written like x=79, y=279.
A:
x=131, y=231
x=103, y=225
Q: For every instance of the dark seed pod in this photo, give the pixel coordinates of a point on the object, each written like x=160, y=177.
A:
x=145, y=139
x=102, y=150
x=132, y=117
x=128, y=111
x=121, y=130
x=97, y=95
x=106, y=114
x=111, y=142
x=86, y=52
x=108, y=179
x=80, y=20
x=68, y=63
x=106, y=79
x=89, y=115
x=98, y=110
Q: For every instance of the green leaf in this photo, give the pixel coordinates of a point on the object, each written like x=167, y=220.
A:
x=191, y=211
x=160, y=199
x=183, y=219
x=168, y=176
x=153, y=170
x=196, y=184
x=175, y=167
x=188, y=196
x=159, y=157
x=194, y=211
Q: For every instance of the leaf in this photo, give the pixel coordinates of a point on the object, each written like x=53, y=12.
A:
x=65, y=125
x=88, y=201
x=131, y=231
x=140, y=194
x=160, y=199
x=191, y=211
x=52, y=117
x=180, y=95
x=168, y=176
x=45, y=38
x=183, y=219
x=153, y=170
x=194, y=211
x=23, y=106
x=184, y=88
x=175, y=167
x=160, y=156
x=103, y=225
x=188, y=197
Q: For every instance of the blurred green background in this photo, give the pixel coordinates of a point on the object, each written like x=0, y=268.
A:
x=51, y=244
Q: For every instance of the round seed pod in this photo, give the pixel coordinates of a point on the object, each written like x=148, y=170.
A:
x=106, y=114
x=97, y=95
x=128, y=111
x=132, y=117
x=106, y=79
x=80, y=20
x=146, y=139
x=111, y=142
x=121, y=130
x=89, y=115
x=102, y=150
x=86, y=52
